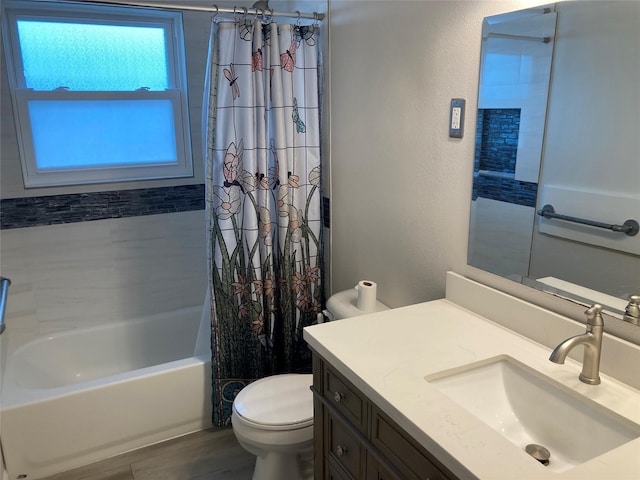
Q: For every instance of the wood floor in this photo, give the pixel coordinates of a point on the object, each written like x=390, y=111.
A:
x=212, y=454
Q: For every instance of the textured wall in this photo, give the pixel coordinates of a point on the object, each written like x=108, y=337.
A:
x=401, y=188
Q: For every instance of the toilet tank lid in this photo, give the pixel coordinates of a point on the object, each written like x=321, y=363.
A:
x=277, y=400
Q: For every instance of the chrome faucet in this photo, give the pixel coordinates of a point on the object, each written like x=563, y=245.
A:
x=592, y=341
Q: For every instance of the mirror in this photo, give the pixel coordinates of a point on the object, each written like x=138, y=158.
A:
x=558, y=124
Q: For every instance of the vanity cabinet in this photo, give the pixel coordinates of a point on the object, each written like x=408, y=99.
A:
x=355, y=440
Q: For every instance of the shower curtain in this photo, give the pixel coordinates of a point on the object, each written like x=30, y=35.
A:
x=261, y=117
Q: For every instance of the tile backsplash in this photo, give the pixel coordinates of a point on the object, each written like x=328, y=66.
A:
x=82, y=207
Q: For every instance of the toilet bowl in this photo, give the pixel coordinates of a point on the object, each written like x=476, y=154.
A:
x=272, y=417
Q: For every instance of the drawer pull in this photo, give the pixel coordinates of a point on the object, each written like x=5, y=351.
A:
x=341, y=451
x=338, y=397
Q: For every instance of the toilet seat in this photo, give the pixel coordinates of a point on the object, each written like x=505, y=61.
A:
x=279, y=402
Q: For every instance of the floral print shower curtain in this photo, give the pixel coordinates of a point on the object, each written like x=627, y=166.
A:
x=263, y=201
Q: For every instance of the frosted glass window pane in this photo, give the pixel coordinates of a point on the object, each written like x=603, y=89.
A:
x=94, y=133
x=84, y=56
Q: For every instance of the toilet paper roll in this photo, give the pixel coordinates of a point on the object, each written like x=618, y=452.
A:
x=366, y=295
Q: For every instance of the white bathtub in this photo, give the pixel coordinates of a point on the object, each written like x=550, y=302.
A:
x=81, y=396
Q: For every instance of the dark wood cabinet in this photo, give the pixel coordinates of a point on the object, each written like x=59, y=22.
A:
x=355, y=440
x=377, y=471
x=343, y=446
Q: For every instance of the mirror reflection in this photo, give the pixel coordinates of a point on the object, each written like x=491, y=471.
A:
x=558, y=124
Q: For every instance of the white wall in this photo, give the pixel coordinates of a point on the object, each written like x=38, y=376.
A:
x=91, y=273
x=401, y=188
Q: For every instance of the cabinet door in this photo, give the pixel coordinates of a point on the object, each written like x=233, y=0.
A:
x=377, y=471
x=319, y=433
x=344, y=447
x=336, y=472
x=411, y=460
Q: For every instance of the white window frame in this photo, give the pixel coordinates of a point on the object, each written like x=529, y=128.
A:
x=171, y=21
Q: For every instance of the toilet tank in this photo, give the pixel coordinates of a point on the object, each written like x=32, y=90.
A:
x=344, y=305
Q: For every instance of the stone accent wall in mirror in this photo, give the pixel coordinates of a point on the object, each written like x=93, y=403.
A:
x=558, y=124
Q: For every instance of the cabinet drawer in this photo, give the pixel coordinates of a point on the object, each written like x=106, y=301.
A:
x=345, y=447
x=407, y=456
x=377, y=471
x=345, y=398
x=336, y=472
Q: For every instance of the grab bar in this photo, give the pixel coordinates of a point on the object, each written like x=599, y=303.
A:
x=4, y=287
x=630, y=227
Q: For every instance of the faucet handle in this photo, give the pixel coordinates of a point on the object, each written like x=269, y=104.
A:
x=632, y=312
x=594, y=315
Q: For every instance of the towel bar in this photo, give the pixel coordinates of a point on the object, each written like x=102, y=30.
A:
x=630, y=227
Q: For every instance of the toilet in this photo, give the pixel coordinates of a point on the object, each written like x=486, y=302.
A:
x=272, y=417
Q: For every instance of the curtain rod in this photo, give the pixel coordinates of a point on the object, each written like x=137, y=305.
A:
x=212, y=9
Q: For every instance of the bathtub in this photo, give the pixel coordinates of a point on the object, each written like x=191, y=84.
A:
x=77, y=397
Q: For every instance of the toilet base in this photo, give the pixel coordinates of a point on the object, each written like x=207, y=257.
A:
x=278, y=466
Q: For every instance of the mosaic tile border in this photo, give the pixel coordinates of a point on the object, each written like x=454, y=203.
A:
x=83, y=207
x=497, y=135
x=497, y=131
x=505, y=190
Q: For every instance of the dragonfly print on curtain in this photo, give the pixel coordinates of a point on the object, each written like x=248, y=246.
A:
x=263, y=202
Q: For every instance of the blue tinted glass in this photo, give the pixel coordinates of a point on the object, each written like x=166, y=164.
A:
x=92, y=57
x=94, y=133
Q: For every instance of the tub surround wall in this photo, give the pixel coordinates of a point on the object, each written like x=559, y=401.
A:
x=79, y=274
x=90, y=273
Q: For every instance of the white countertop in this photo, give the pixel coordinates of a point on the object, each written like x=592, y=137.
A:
x=387, y=355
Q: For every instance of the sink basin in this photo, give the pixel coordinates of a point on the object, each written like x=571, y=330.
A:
x=528, y=408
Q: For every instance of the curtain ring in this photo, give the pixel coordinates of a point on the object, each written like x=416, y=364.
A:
x=245, y=13
x=316, y=20
x=298, y=20
x=267, y=18
x=235, y=14
x=215, y=15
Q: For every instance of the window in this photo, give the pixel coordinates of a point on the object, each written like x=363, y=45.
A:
x=99, y=92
